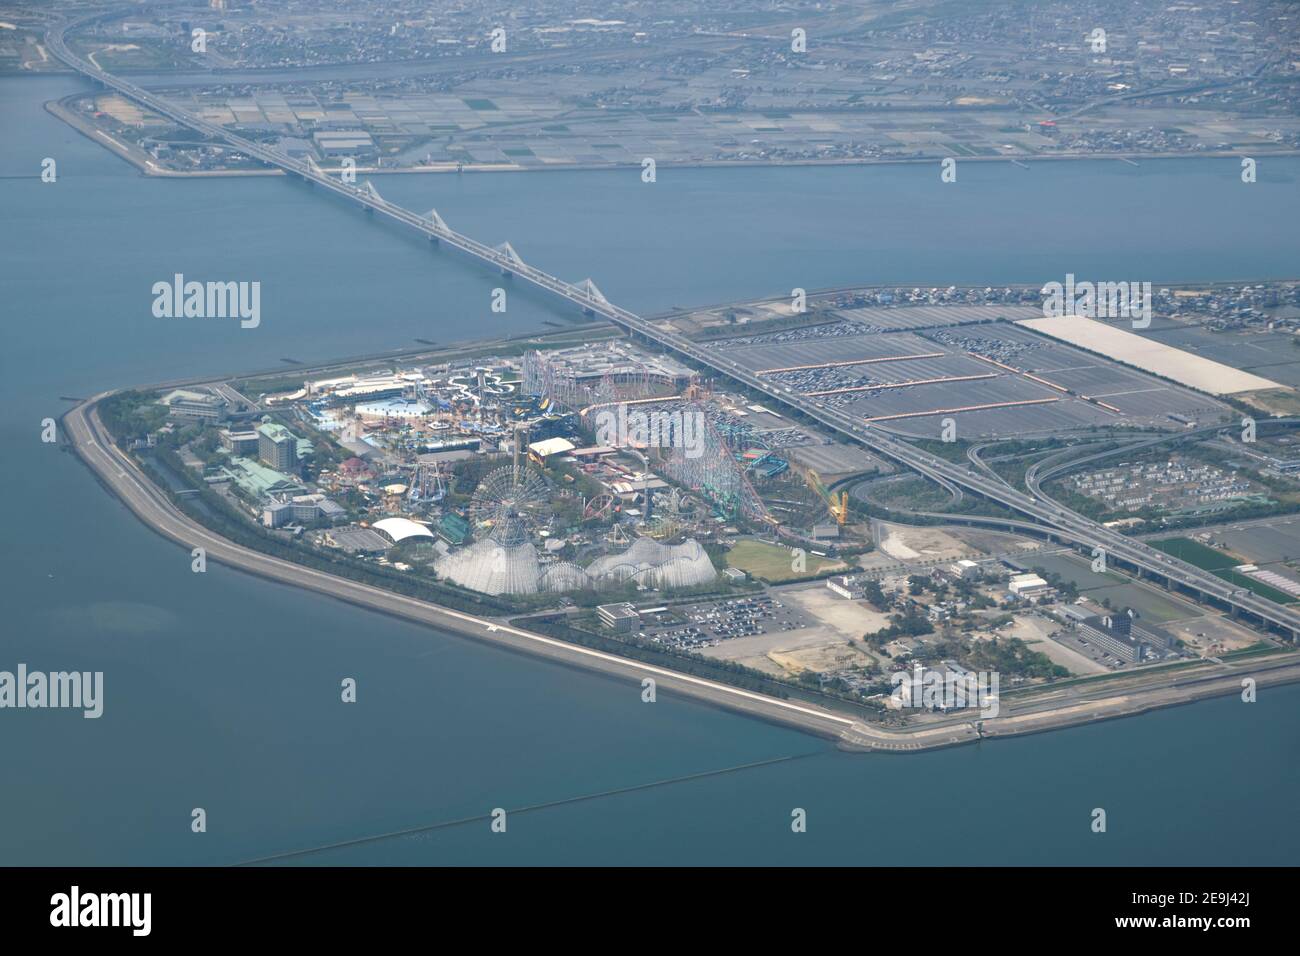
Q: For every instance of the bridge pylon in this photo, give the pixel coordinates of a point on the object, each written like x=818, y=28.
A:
x=508, y=251
x=591, y=291
x=438, y=224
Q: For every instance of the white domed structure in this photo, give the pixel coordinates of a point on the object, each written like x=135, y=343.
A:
x=491, y=568
x=656, y=565
x=564, y=576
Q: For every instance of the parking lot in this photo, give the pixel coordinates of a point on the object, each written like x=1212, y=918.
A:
x=696, y=626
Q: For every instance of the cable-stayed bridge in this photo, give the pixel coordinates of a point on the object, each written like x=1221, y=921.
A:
x=1064, y=524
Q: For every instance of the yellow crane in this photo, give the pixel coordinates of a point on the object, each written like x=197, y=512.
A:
x=837, y=503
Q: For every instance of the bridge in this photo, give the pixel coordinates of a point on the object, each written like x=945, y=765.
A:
x=1065, y=524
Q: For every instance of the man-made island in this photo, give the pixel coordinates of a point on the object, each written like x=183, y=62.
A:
x=605, y=502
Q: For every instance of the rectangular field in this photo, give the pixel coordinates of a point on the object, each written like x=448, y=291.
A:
x=1152, y=356
x=775, y=564
x=1220, y=565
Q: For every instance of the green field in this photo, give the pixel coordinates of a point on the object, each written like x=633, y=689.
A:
x=1220, y=565
x=1121, y=590
x=772, y=562
x=1193, y=552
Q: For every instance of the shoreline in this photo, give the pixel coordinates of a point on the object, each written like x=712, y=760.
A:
x=139, y=160
x=88, y=438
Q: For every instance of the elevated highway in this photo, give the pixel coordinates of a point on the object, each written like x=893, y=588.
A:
x=587, y=297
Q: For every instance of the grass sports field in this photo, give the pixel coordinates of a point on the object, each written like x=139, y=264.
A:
x=774, y=563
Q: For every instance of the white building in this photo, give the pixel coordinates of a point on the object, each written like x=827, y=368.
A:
x=1028, y=586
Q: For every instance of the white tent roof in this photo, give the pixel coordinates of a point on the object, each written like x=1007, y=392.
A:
x=401, y=528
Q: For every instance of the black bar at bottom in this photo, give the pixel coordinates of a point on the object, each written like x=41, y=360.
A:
x=871, y=904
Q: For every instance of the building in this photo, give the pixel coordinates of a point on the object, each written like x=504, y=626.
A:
x=277, y=514
x=187, y=404
x=964, y=570
x=302, y=508
x=333, y=143
x=622, y=618
x=734, y=575
x=540, y=451
x=1114, y=635
x=354, y=540
x=277, y=446
x=846, y=586
x=1028, y=586
x=243, y=443
x=399, y=529
x=453, y=528
x=258, y=481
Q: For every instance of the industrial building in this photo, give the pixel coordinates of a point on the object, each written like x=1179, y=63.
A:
x=332, y=143
x=1028, y=586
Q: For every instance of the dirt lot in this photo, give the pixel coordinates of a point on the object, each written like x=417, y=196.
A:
x=904, y=543
x=848, y=619
x=823, y=646
x=1222, y=634
x=827, y=657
